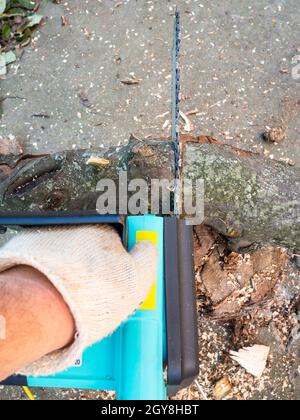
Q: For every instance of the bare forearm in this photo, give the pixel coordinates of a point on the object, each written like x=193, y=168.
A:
x=37, y=321
x=93, y=275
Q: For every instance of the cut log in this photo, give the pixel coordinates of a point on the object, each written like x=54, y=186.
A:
x=250, y=200
x=67, y=181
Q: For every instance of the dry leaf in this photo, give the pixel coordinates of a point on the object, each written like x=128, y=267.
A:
x=253, y=359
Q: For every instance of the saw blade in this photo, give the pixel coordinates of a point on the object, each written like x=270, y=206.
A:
x=176, y=107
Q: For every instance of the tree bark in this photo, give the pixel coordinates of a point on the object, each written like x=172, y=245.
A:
x=250, y=200
x=65, y=181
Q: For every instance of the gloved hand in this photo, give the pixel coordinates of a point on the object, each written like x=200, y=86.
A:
x=100, y=281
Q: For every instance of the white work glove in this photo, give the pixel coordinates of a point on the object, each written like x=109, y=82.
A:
x=100, y=281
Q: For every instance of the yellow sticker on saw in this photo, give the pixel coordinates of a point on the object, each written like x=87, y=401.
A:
x=143, y=235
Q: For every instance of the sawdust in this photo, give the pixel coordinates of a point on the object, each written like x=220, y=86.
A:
x=258, y=304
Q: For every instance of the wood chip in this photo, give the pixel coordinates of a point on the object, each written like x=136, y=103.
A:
x=192, y=112
x=222, y=389
x=188, y=127
x=162, y=115
x=97, y=161
x=253, y=359
x=64, y=21
x=166, y=124
x=132, y=80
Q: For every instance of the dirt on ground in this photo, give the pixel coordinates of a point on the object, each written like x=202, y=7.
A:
x=245, y=300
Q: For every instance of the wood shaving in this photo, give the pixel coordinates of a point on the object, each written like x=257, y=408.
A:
x=188, y=127
x=253, y=359
x=64, y=21
x=166, y=124
x=162, y=115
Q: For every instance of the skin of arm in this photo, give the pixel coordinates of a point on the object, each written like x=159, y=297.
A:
x=37, y=320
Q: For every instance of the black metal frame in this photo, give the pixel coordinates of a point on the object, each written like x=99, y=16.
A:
x=182, y=330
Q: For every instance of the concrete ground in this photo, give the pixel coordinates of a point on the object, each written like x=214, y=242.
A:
x=66, y=89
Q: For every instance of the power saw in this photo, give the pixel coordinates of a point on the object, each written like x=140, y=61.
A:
x=162, y=335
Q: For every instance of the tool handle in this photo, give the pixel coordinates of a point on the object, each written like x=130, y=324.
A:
x=182, y=331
